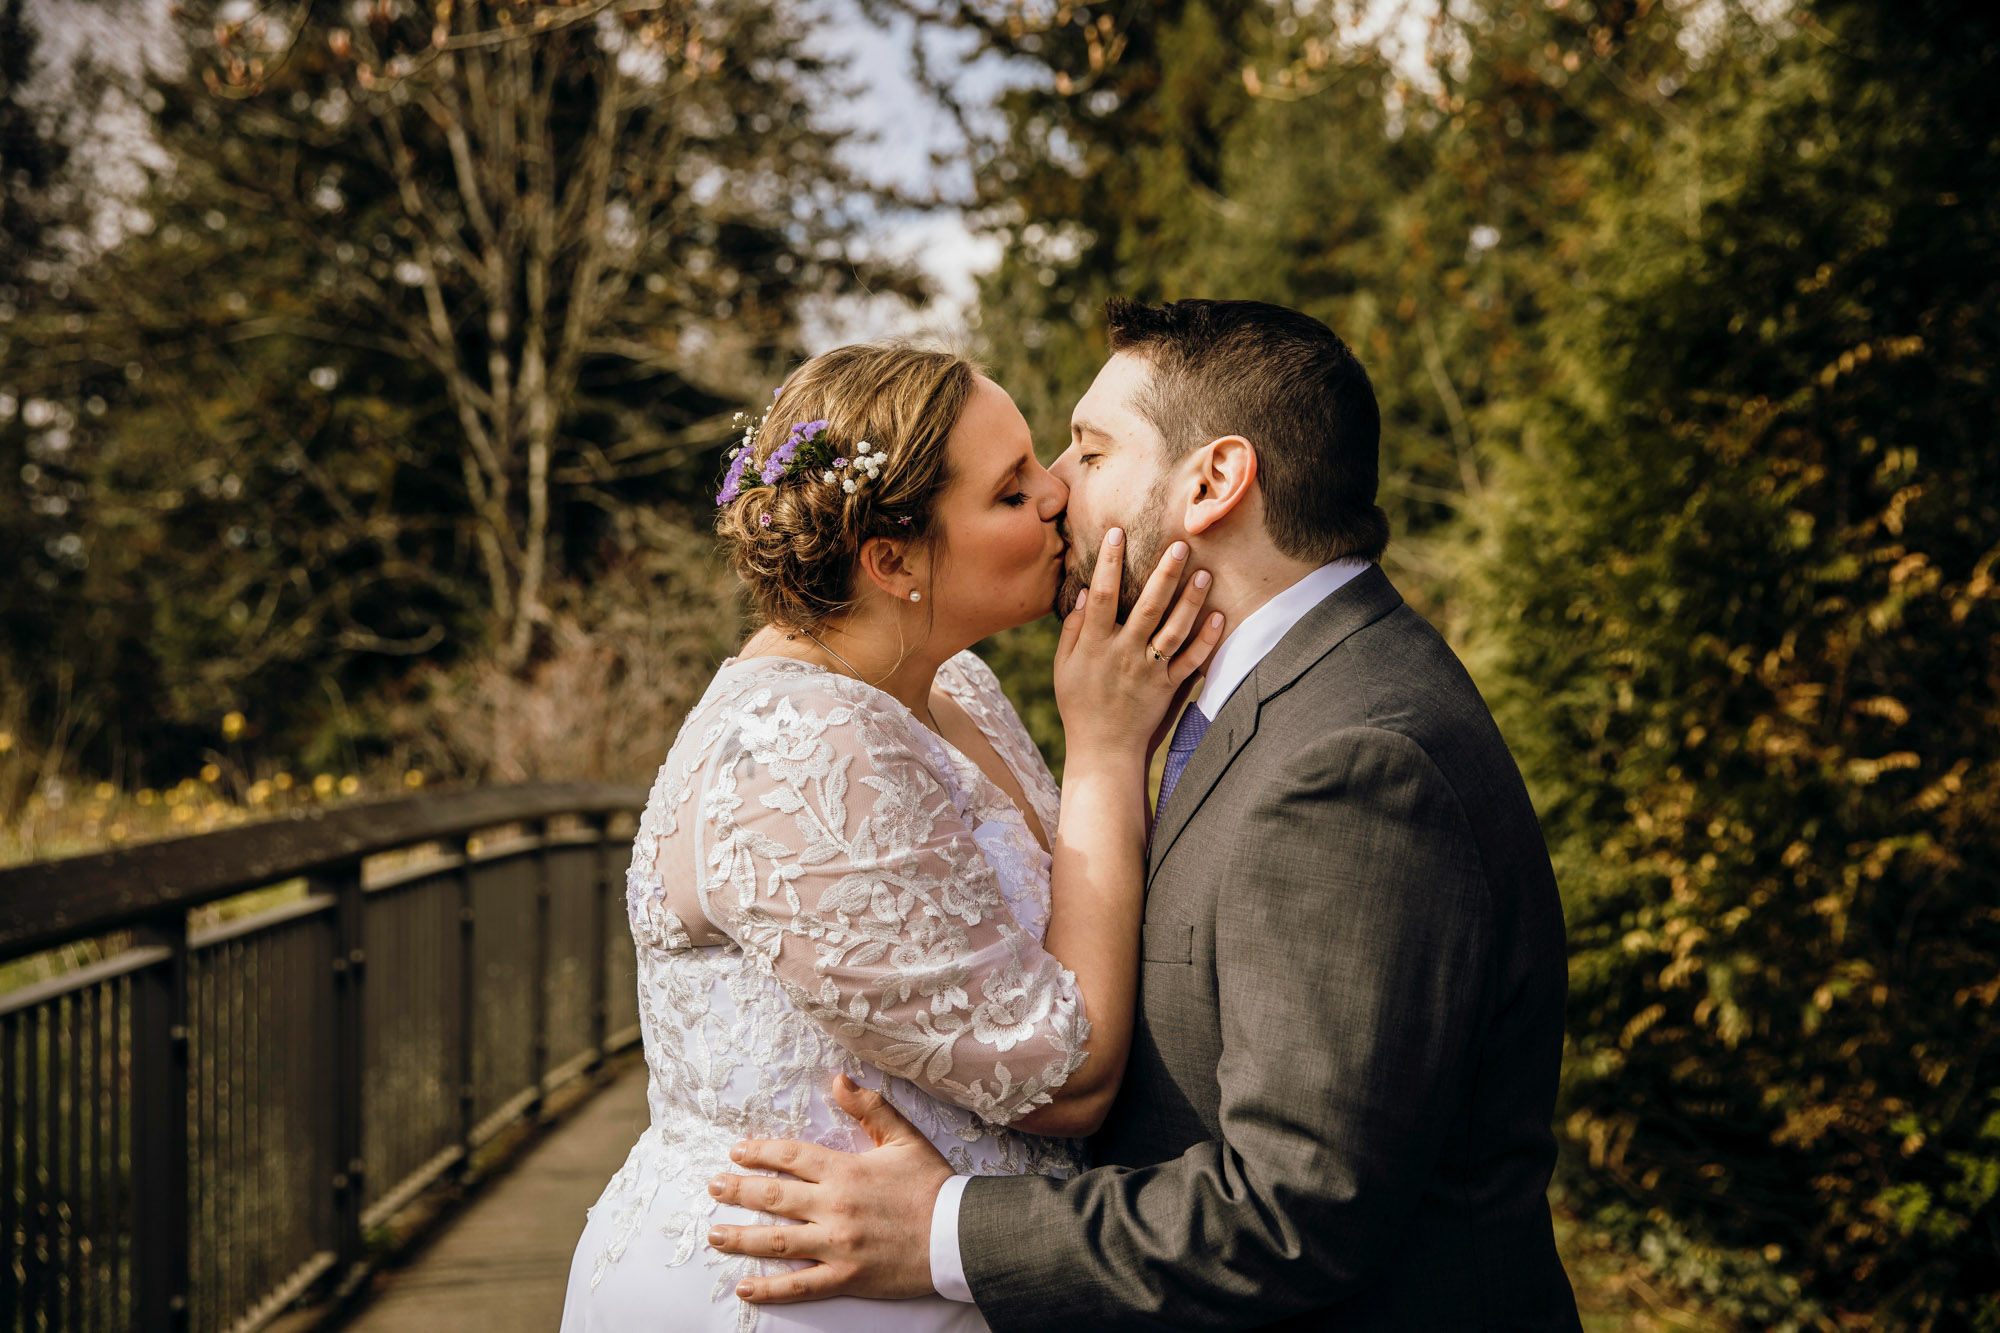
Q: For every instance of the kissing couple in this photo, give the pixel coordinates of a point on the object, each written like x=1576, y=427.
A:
x=935, y=1047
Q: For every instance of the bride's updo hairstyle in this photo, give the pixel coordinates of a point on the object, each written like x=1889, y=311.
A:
x=796, y=540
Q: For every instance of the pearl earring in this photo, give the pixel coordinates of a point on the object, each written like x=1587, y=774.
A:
x=916, y=596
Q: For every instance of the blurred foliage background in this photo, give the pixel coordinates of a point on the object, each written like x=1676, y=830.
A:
x=372, y=435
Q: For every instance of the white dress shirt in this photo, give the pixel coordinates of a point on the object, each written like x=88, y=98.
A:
x=1235, y=658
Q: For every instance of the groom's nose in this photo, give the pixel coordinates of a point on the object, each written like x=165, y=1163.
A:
x=1063, y=466
x=1056, y=502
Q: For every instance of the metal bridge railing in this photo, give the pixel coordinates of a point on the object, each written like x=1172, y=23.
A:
x=203, y=1126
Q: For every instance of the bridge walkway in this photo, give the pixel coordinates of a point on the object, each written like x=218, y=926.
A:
x=502, y=1263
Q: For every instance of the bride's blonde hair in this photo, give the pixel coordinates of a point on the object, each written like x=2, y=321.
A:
x=795, y=541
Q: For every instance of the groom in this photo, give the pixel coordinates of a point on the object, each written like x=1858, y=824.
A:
x=1337, y=1109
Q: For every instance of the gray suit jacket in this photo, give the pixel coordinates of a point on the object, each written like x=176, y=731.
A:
x=1337, y=1112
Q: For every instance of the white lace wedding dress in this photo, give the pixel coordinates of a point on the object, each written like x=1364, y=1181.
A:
x=820, y=883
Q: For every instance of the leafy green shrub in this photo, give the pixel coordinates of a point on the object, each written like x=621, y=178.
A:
x=1739, y=608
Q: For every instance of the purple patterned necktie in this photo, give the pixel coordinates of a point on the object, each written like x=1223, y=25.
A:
x=1193, y=726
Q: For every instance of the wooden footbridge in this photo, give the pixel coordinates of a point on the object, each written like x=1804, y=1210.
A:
x=221, y=1129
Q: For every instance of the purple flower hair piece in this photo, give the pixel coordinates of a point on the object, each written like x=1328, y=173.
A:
x=781, y=457
x=800, y=449
x=732, y=482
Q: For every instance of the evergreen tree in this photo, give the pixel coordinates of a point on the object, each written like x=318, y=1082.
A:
x=1738, y=609
x=1680, y=318
x=1092, y=190
x=1254, y=151
x=32, y=156
x=52, y=397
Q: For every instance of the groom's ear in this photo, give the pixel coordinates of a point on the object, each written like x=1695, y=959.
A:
x=1225, y=470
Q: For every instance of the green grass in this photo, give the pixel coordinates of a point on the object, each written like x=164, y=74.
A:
x=71, y=817
x=62, y=818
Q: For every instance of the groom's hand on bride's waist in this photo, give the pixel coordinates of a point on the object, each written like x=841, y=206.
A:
x=866, y=1217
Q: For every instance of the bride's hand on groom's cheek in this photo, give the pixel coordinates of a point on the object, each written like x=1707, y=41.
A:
x=1118, y=684
x=865, y=1218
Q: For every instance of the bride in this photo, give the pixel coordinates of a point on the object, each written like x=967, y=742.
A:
x=850, y=862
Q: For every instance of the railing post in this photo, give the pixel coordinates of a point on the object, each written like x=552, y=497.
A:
x=218, y=1198
x=468, y=991
x=600, y=944
x=538, y=1059
x=160, y=1213
x=345, y=1060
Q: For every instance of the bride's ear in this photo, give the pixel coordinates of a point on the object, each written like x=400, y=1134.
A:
x=1225, y=470
x=886, y=562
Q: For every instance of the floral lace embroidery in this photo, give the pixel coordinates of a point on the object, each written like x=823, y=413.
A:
x=1006, y=837
x=880, y=905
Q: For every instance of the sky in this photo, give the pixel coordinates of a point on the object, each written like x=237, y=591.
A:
x=899, y=128
x=119, y=144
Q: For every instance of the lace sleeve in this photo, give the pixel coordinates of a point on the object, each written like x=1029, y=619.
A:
x=836, y=859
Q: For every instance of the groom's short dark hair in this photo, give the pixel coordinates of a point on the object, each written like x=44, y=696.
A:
x=1283, y=381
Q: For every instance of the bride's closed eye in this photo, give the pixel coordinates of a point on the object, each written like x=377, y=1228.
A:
x=1017, y=499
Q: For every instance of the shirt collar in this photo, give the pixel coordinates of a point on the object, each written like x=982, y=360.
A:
x=1246, y=645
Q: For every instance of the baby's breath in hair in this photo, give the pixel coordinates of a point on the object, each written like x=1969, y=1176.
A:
x=862, y=456
x=802, y=452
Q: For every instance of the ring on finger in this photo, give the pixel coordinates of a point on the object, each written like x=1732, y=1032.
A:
x=1157, y=655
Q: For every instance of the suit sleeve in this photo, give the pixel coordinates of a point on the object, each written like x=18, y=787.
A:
x=1351, y=959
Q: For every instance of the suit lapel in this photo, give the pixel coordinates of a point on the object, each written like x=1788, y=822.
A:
x=1365, y=599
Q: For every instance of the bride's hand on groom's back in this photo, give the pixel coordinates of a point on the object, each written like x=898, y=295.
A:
x=1117, y=684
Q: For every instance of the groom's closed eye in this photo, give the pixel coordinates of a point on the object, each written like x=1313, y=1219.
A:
x=1089, y=435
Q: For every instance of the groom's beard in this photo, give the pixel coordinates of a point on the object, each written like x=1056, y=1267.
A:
x=1143, y=545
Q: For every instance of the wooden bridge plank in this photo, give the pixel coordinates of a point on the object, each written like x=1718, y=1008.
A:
x=501, y=1266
